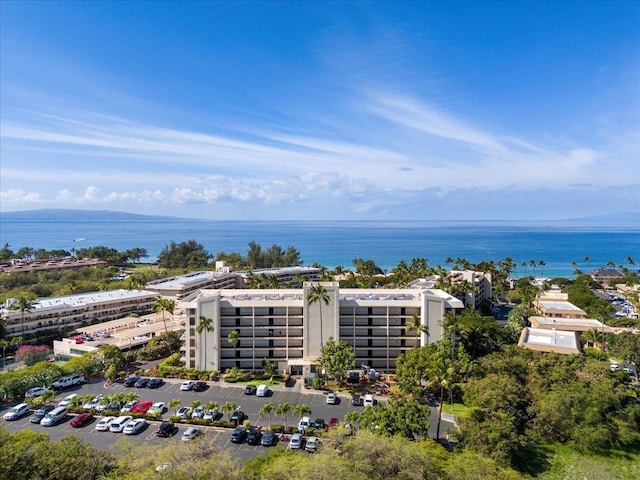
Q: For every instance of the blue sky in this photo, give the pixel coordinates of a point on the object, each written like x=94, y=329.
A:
x=322, y=110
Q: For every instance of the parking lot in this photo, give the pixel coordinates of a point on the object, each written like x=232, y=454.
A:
x=217, y=392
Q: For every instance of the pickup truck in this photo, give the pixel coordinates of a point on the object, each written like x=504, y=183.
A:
x=68, y=381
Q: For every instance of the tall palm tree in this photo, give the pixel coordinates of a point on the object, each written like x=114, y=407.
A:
x=283, y=410
x=542, y=264
x=3, y=345
x=441, y=375
x=234, y=339
x=267, y=409
x=205, y=325
x=163, y=305
x=319, y=294
x=25, y=305
x=416, y=325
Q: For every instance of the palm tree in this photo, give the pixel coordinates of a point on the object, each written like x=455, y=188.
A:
x=591, y=337
x=234, y=339
x=301, y=410
x=228, y=407
x=205, y=325
x=441, y=375
x=196, y=403
x=416, y=325
x=319, y=294
x=211, y=406
x=267, y=409
x=532, y=264
x=283, y=410
x=542, y=264
x=174, y=403
x=3, y=344
x=25, y=306
x=164, y=305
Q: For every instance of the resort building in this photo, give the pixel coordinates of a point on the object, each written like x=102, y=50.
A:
x=76, y=310
x=555, y=304
x=606, y=276
x=223, y=277
x=556, y=341
x=29, y=265
x=284, y=327
x=568, y=324
x=479, y=283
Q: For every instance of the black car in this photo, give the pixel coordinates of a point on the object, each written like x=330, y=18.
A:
x=319, y=423
x=130, y=381
x=356, y=400
x=269, y=439
x=254, y=436
x=200, y=387
x=166, y=429
x=238, y=435
x=40, y=413
x=155, y=383
x=142, y=382
x=238, y=417
x=250, y=390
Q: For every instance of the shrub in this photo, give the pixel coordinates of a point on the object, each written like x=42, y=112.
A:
x=32, y=354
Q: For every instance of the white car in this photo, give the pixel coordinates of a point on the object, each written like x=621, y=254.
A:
x=93, y=403
x=134, y=426
x=16, y=412
x=183, y=412
x=104, y=424
x=157, y=408
x=187, y=386
x=198, y=412
x=369, y=401
x=332, y=398
x=190, y=434
x=67, y=400
x=129, y=406
x=303, y=424
x=119, y=423
x=296, y=441
x=36, y=392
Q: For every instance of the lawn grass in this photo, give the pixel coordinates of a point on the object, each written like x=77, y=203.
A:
x=564, y=463
x=458, y=408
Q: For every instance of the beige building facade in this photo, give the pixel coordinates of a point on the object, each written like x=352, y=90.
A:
x=282, y=326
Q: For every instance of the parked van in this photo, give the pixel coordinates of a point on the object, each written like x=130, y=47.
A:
x=119, y=423
x=262, y=391
x=54, y=417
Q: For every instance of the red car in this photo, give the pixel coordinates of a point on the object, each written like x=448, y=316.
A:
x=333, y=422
x=142, y=407
x=81, y=420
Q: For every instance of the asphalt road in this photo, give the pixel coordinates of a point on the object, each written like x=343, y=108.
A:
x=218, y=392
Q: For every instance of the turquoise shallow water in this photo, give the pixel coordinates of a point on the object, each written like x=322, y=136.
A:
x=338, y=243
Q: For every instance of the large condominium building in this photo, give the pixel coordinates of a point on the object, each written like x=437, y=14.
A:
x=284, y=327
x=223, y=277
x=75, y=310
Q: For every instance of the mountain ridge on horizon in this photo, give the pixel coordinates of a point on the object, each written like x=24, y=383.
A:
x=93, y=215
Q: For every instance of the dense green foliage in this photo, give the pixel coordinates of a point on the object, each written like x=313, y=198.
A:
x=336, y=358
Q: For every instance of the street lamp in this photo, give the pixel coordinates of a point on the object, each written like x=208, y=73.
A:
x=238, y=415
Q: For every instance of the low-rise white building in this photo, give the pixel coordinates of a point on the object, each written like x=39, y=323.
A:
x=76, y=310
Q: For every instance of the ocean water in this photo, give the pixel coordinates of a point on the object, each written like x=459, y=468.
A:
x=339, y=242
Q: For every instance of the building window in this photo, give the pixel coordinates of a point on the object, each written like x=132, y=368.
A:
x=192, y=353
x=192, y=332
x=237, y=322
x=403, y=342
x=192, y=342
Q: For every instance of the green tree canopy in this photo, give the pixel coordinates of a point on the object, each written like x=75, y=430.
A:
x=336, y=358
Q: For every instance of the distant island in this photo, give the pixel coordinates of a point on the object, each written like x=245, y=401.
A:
x=627, y=219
